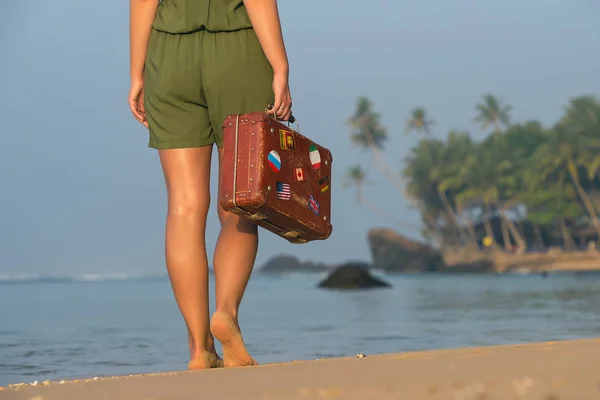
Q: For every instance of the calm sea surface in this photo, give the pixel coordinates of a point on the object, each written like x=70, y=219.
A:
x=74, y=329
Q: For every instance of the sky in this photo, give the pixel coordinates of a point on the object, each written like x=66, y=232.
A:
x=82, y=193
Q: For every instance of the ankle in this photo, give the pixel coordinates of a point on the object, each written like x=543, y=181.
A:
x=198, y=348
x=201, y=353
x=231, y=312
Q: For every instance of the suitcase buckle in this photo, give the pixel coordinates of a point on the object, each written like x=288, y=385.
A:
x=257, y=217
x=292, y=234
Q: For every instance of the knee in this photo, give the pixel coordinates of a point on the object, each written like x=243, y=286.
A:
x=231, y=219
x=226, y=217
x=190, y=206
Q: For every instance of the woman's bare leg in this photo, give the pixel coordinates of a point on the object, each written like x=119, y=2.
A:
x=234, y=258
x=187, y=176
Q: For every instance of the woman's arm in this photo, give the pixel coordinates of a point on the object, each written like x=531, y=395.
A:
x=264, y=16
x=141, y=17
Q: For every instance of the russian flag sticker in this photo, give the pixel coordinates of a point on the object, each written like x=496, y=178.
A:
x=274, y=161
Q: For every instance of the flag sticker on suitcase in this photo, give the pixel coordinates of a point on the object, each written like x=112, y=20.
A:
x=286, y=140
x=313, y=204
x=324, y=184
x=284, y=191
x=274, y=161
x=315, y=156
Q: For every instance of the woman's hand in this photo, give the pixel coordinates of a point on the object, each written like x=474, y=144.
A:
x=136, y=101
x=282, y=108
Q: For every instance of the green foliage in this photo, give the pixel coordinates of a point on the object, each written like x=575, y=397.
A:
x=419, y=122
x=490, y=112
x=355, y=176
x=544, y=206
x=550, y=172
x=366, y=129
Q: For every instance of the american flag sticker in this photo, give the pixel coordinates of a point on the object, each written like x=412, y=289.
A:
x=283, y=190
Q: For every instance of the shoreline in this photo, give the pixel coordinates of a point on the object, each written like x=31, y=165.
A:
x=541, y=371
x=502, y=262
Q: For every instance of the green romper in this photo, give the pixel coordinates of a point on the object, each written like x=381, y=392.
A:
x=204, y=62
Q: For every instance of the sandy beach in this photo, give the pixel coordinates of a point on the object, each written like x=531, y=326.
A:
x=542, y=371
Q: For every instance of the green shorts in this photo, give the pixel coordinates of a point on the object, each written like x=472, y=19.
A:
x=193, y=81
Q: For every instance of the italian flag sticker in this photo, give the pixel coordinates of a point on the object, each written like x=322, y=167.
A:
x=315, y=156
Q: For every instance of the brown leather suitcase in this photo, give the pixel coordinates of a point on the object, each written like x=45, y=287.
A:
x=273, y=175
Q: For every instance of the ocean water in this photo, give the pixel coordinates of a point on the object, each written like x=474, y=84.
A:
x=64, y=329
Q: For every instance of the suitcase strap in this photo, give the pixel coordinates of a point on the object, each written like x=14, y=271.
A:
x=294, y=234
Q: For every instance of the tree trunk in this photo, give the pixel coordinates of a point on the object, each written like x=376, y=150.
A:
x=452, y=214
x=505, y=235
x=433, y=227
x=473, y=234
x=521, y=243
x=584, y=197
x=384, y=165
x=568, y=242
x=359, y=195
x=521, y=229
x=538, y=236
x=488, y=227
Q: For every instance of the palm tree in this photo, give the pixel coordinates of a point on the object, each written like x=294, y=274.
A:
x=582, y=118
x=368, y=134
x=459, y=146
x=552, y=204
x=429, y=170
x=560, y=159
x=355, y=176
x=492, y=113
x=491, y=175
x=419, y=122
x=478, y=171
x=505, y=162
x=582, y=115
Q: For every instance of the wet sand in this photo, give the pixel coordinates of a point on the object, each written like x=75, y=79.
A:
x=560, y=370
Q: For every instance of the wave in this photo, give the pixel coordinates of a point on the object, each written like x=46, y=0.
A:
x=88, y=277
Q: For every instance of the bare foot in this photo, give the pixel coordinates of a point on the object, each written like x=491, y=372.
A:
x=205, y=360
x=227, y=331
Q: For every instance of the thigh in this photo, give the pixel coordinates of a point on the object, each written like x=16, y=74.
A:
x=237, y=76
x=187, y=176
x=174, y=97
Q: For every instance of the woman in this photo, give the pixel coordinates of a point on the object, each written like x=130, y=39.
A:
x=193, y=62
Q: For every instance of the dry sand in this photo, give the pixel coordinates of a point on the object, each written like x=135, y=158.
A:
x=564, y=370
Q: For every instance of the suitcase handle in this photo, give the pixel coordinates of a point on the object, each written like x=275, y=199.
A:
x=292, y=118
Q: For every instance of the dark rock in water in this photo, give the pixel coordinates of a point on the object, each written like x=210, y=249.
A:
x=284, y=263
x=393, y=252
x=353, y=276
